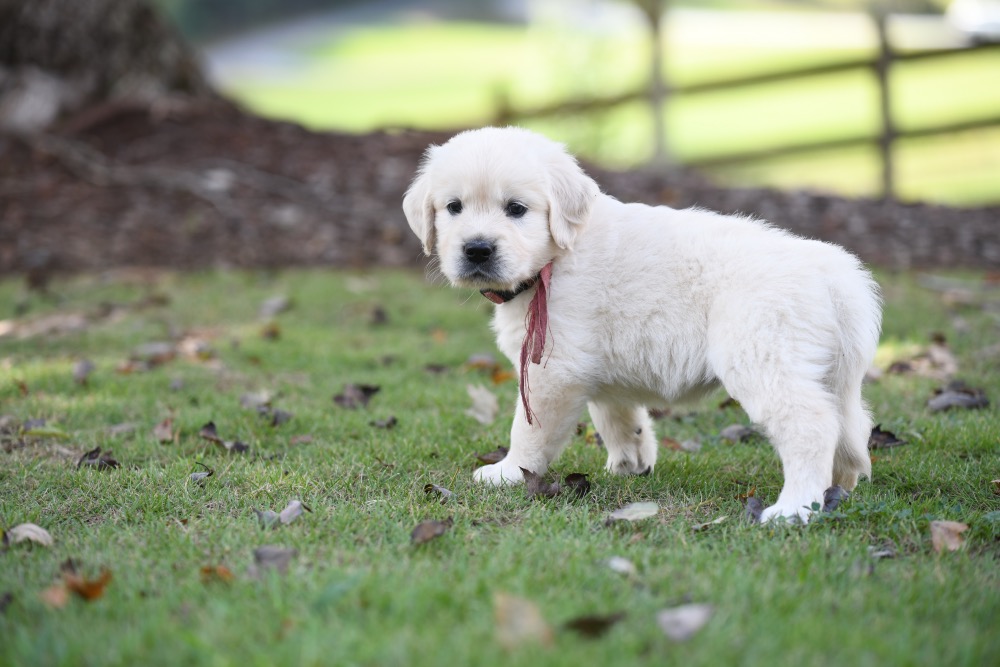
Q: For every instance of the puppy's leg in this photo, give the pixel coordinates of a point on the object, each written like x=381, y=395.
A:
x=803, y=425
x=534, y=446
x=852, y=459
x=627, y=432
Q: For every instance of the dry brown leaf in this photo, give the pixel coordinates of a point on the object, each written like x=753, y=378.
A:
x=737, y=433
x=88, y=589
x=425, y=531
x=30, y=532
x=163, y=432
x=594, y=626
x=444, y=494
x=681, y=623
x=578, y=483
x=355, y=396
x=271, y=557
x=55, y=596
x=214, y=573
x=95, y=459
x=947, y=535
x=82, y=370
x=518, y=621
x=496, y=456
x=880, y=439
x=484, y=404
x=537, y=487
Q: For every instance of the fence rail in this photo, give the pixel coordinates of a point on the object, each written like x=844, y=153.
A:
x=880, y=64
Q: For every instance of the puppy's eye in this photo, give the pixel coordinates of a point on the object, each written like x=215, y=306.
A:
x=454, y=207
x=515, y=209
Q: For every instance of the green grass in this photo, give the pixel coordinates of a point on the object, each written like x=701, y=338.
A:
x=448, y=75
x=359, y=593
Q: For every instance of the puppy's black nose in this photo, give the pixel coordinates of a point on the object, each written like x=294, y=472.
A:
x=478, y=252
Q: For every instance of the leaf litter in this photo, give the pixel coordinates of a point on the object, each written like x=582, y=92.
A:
x=880, y=439
x=957, y=394
x=98, y=460
x=354, y=396
x=683, y=622
x=27, y=532
x=518, y=621
x=210, y=433
x=594, y=626
x=947, y=535
x=484, y=407
x=425, y=531
x=443, y=494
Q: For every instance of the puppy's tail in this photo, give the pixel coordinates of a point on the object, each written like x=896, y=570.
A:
x=859, y=310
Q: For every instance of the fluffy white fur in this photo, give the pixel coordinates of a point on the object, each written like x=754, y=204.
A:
x=650, y=305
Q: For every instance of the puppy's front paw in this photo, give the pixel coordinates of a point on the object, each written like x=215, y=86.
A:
x=498, y=474
x=796, y=514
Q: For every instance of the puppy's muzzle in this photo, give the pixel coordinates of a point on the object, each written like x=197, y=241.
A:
x=479, y=251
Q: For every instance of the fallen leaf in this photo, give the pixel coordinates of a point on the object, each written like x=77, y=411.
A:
x=996, y=487
x=484, y=404
x=254, y=400
x=300, y=439
x=96, y=459
x=957, y=395
x=737, y=433
x=82, y=370
x=355, y=396
x=594, y=626
x=270, y=557
x=379, y=317
x=270, y=331
x=833, y=496
x=681, y=623
x=880, y=439
x=669, y=443
x=519, y=621
x=537, y=487
x=947, y=535
x=634, y=512
x=88, y=589
x=200, y=476
x=496, y=456
x=483, y=362
x=55, y=596
x=267, y=518
x=292, y=511
x=163, y=432
x=274, y=306
x=754, y=509
x=210, y=433
x=708, y=524
x=155, y=354
x=501, y=375
x=274, y=416
x=622, y=566
x=387, y=423
x=5, y=601
x=29, y=532
x=444, y=493
x=213, y=573
x=436, y=369
x=578, y=483
x=426, y=531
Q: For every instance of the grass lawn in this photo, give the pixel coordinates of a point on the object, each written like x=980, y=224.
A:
x=448, y=75
x=180, y=551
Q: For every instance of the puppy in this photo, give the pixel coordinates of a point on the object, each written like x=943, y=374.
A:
x=618, y=306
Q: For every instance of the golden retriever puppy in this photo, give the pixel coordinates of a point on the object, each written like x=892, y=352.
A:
x=616, y=307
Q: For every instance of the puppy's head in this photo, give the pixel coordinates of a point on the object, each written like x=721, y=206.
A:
x=497, y=204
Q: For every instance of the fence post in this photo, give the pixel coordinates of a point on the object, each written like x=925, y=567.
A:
x=653, y=10
x=887, y=134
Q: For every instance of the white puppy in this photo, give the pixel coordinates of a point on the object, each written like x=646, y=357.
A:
x=647, y=305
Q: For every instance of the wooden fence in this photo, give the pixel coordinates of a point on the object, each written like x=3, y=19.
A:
x=879, y=64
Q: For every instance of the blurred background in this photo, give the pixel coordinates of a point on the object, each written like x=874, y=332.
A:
x=786, y=94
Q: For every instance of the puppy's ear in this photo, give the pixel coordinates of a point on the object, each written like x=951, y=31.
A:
x=418, y=206
x=571, y=196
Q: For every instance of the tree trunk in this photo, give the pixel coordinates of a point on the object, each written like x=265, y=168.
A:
x=58, y=57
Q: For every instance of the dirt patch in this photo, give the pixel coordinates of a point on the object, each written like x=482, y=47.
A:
x=205, y=184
